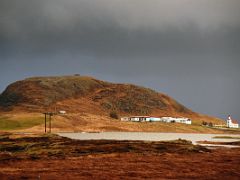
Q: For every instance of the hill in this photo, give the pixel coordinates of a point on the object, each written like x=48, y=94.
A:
x=86, y=98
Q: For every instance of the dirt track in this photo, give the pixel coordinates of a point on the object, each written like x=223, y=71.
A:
x=61, y=158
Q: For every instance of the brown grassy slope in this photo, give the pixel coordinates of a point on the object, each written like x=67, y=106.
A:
x=80, y=94
x=52, y=157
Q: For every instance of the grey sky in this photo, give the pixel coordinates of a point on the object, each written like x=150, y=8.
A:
x=189, y=49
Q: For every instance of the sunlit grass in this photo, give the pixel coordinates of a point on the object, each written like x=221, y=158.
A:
x=15, y=123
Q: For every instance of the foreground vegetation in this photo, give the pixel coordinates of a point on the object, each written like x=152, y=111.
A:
x=36, y=156
x=52, y=146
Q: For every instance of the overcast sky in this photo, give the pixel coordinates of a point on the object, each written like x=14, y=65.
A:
x=188, y=49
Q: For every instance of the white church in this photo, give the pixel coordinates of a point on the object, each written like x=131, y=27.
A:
x=232, y=123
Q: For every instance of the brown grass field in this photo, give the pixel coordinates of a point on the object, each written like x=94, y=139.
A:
x=38, y=156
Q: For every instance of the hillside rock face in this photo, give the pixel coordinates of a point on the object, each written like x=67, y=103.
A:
x=86, y=94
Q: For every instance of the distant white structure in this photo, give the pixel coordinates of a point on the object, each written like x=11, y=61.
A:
x=177, y=120
x=139, y=118
x=232, y=123
x=62, y=112
x=157, y=119
x=125, y=118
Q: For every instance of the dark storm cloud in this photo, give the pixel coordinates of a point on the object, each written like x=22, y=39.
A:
x=175, y=46
x=117, y=27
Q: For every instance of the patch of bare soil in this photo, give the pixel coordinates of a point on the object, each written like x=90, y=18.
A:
x=54, y=157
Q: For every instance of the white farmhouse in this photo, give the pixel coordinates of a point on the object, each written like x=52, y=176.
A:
x=125, y=118
x=177, y=120
x=140, y=118
x=62, y=112
x=157, y=119
x=183, y=120
x=232, y=123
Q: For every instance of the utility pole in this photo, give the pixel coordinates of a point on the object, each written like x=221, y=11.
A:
x=55, y=101
x=49, y=114
x=45, y=122
x=50, y=125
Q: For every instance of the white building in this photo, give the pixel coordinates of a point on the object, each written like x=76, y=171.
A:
x=184, y=120
x=177, y=120
x=140, y=118
x=136, y=118
x=125, y=118
x=62, y=112
x=232, y=123
x=157, y=119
